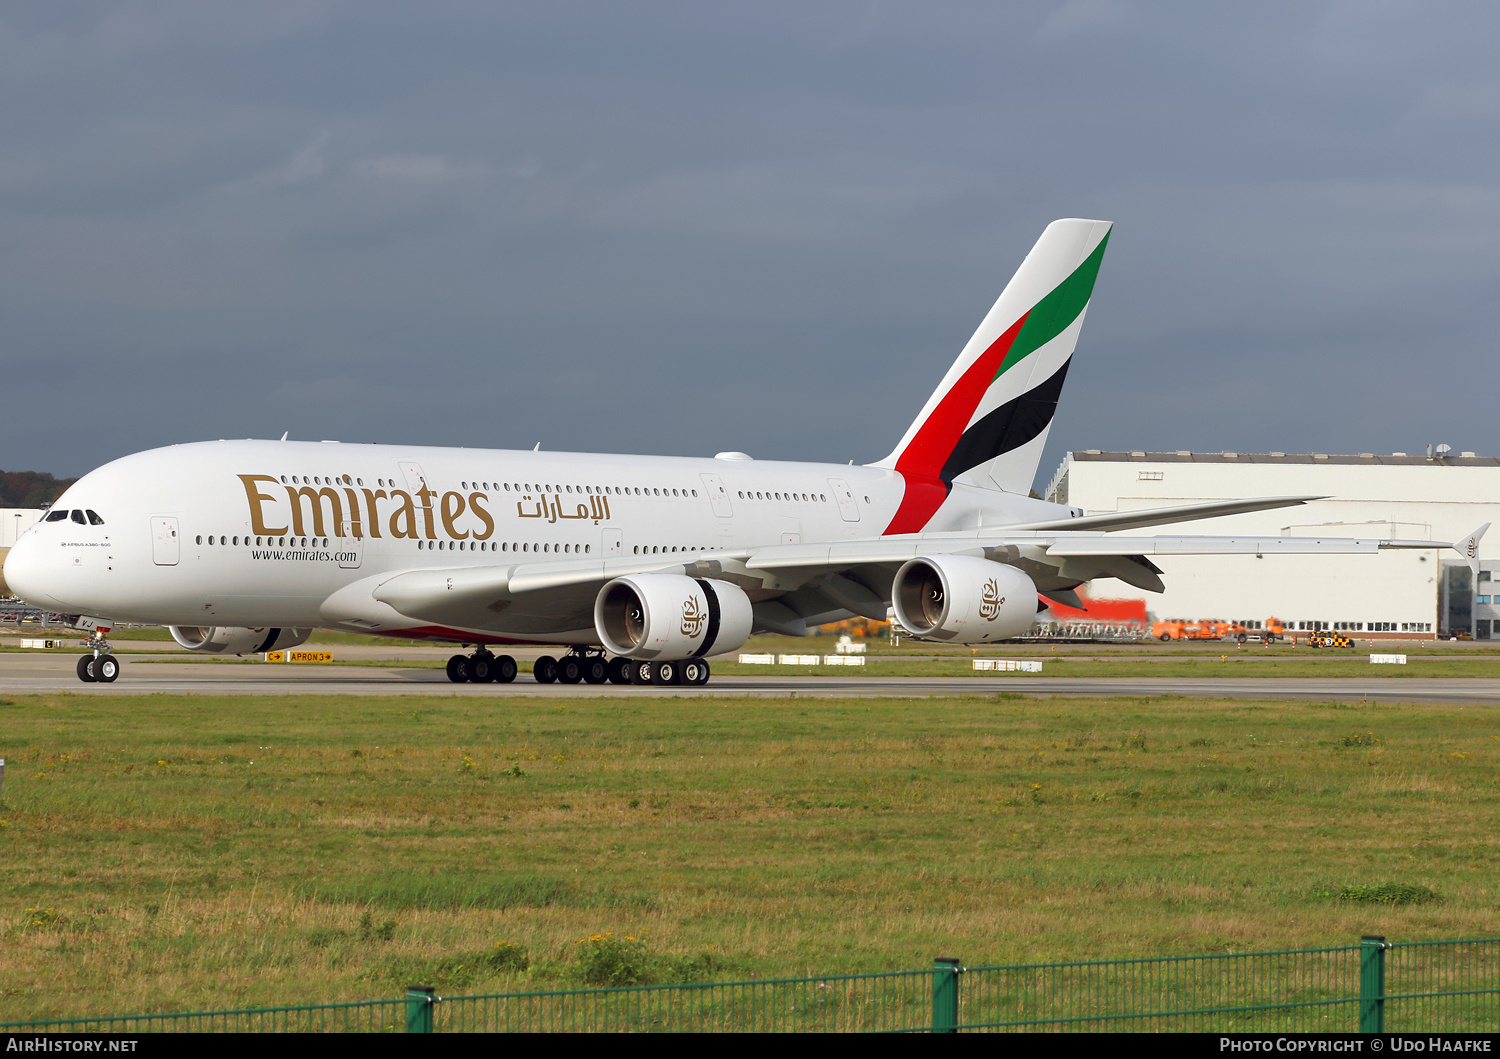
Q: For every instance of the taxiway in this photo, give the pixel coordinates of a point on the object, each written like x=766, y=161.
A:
x=54, y=673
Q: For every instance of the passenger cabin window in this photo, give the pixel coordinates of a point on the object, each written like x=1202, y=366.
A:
x=56, y=516
x=94, y=519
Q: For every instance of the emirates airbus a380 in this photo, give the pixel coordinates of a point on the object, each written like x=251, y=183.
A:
x=640, y=566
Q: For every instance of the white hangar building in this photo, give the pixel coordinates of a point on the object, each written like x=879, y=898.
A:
x=15, y=521
x=1399, y=594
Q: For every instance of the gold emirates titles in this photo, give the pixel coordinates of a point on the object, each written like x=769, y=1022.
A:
x=408, y=518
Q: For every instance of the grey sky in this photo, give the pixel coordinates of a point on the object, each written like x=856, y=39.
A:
x=679, y=228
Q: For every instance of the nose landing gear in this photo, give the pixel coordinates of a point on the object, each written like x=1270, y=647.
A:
x=99, y=666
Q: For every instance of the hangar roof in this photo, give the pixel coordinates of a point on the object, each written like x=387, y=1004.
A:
x=1363, y=459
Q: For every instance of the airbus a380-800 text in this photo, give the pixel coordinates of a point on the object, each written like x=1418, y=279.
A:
x=639, y=566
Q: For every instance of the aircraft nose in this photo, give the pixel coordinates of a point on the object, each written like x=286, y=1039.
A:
x=25, y=574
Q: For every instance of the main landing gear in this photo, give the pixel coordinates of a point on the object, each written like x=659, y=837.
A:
x=584, y=665
x=481, y=667
x=690, y=672
x=98, y=666
x=581, y=665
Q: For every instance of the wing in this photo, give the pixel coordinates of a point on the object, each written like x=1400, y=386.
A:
x=1165, y=516
x=791, y=585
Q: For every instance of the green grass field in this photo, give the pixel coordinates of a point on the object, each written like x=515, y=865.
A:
x=166, y=853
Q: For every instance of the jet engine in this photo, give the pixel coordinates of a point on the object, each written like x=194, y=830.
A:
x=671, y=616
x=236, y=641
x=963, y=599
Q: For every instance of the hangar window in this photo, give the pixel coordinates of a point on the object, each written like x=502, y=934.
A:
x=95, y=520
x=1149, y=476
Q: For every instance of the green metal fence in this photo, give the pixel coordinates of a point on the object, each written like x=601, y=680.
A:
x=899, y=1000
x=1372, y=987
x=358, y=1016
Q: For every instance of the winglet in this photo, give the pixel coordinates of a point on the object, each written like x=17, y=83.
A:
x=1469, y=549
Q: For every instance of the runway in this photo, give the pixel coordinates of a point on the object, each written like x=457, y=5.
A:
x=21, y=674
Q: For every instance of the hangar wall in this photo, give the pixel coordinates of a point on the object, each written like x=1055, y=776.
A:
x=1385, y=594
x=15, y=521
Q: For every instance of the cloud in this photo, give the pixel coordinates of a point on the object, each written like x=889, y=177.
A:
x=416, y=169
x=1077, y=17
x=305, y=164
x=766, y=227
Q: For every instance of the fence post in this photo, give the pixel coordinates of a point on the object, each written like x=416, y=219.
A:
x=419, y=1001
x=1372, y=983
x=945, y=972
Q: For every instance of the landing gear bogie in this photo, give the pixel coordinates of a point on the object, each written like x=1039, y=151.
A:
x=665, y=674
x=481, y=667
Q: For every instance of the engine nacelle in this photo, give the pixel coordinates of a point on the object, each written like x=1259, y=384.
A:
x=236, y=641
x=671, y=616
x=963, y=599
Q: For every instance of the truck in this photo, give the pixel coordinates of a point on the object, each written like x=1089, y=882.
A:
x=1269, y=631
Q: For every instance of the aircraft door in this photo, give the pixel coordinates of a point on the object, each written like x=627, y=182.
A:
x=614, y=542
x=350, y=550
x=165, y=544
x=848, y=509
x=717, y=495
x=411, y=471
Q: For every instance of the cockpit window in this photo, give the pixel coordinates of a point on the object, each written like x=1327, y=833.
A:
x=56, y=516
x=94, y=519
x=78, y=516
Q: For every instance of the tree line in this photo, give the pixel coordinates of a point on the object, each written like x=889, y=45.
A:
x=31, y=488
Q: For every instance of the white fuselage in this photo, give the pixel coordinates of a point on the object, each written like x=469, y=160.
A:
x=262, y=533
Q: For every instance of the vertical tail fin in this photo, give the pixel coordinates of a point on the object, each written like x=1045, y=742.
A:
x=987, y=421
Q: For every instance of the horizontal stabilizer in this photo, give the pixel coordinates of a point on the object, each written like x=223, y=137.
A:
x=1469, y=549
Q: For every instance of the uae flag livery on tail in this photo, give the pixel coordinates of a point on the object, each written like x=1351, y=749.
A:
x=986, y=423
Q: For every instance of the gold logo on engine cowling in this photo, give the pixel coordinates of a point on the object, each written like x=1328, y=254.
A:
x=694, y=617
x=990, y=601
